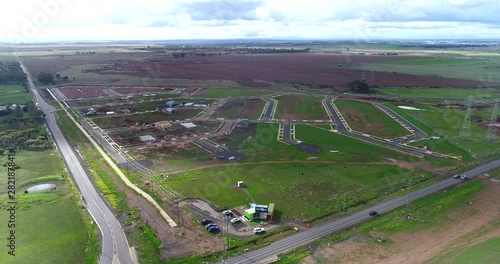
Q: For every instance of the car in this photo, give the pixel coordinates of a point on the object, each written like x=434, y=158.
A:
x=231, y=158
x=205, y=222
x=227, y=213
x=213, y=229
x=210, y=225
x=456, y=176
x=373, y=213
x=220, y=157
x=235, y=220
x=463, y=177
x=258, y=230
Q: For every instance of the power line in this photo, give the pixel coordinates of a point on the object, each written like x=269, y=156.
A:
x=492, y=126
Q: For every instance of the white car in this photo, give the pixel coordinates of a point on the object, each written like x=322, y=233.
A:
x=231, y=158
x=227, y=212
x=257, y=230
x=235, y=220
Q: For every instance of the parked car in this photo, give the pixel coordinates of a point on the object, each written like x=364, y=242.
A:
x=235, y=220
x=210, y=225
x=220, y=157
x=227, y=213
x=258, y=230
x=205, y=222
x=213, y=229
x=463, y=177
x=456, y=176
x=231, y=158
x=373, y=213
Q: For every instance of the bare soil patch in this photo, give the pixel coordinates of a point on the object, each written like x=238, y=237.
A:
x=418, y=247
x=77, y=92
x=141, y=90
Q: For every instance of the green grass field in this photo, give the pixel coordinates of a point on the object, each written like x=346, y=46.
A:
x=349, y=149
x=310, y=188
x=366, y=118
x=442, y=146
x=49, y=224
x=227, y=92
x=484, y=252
x=13, y=94
x=440, y=93
x=476, y=68
x=443, y=122
x=300, y=107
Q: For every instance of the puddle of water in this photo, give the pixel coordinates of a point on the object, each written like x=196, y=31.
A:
x=408, y=107
x=40, y=187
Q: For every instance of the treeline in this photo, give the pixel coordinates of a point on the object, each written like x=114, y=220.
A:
x=22, y=128
x=11, y=72
x=443, y=46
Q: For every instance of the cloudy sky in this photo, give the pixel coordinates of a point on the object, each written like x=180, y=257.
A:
x=53, y=20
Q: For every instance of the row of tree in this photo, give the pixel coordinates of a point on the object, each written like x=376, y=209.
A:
x=48, y=78
x=11, y=72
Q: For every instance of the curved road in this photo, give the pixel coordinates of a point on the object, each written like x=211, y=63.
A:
x=115, y=248
x=309, y=235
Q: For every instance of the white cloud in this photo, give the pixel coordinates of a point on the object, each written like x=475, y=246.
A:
x=42, y=20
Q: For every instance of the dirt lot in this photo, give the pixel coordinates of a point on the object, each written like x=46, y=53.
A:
x=315, y=69
x=240, y=108
x=421, y=246
x=76, y=92
x=141, y=90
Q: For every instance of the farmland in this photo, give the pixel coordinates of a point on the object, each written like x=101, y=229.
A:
x=475, y=68
x=365, y=118
x=214, y=92
x=300, y=107
x=440, y=93
x=13, y=94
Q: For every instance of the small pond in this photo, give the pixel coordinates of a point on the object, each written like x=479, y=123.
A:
x=40, y=187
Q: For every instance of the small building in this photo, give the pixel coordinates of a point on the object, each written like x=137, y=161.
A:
x=242, y=123
x=147, y=138
x=188, y=125
x=171, y=111
x=270, y=212
x=171, y=103
x=249, y=214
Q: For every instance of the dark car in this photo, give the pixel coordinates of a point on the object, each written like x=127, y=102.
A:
x=210, y=225
x=373, y=213
x=213, y=229
x=205, y=222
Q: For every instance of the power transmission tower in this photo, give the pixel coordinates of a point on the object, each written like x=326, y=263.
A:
x=465, y=130
x=491, y=134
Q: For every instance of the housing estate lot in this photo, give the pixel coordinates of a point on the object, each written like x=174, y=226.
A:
x=366, y=118
x=240, y=108
x=110, y=121
x=295, y=106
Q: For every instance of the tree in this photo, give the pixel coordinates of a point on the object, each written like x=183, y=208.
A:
x=359, y=86
x=65, y=78
x=45, y=77
x=58, y=76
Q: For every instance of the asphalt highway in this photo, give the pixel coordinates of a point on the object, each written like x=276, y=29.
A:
x=115, y=248
x=309, y=235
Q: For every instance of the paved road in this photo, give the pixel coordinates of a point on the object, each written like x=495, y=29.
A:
x=270, y=108
x=115, y=248
x=393, y=145
x=309, y=235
